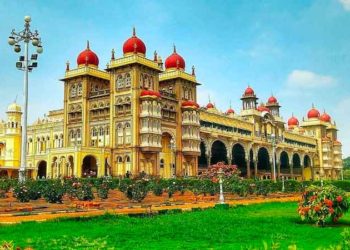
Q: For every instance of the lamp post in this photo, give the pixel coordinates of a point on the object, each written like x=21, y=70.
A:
x=172, y=149
x=273, y=140
x=221, y=197
x=27, y=66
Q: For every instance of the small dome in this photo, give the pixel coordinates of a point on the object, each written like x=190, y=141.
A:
x=325, y=117
x=272, y=100
x=210, y=105
x=313, y=113
x=230, y=111
x=87, y=57
x=249, y=91
x=293, y=121
x=14, y=107
x=147, y=92
x=263, y=108
x=134, y=45
x=175, y=61
x=190, y=103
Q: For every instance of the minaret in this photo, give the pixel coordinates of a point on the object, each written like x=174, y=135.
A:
x=273, y=105
x=249, y=99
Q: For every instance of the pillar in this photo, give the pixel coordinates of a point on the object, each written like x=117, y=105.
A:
x=248, y=167
x=278, y=169
x=255, y=168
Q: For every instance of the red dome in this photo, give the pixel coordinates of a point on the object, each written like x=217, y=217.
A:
x=293, y=121
x=313, y=113
x=134, y=45
x=87, y=57
x=325, y=117
x=190, y=103
x=272, y=100
x=210, y=105
x=262, y=108
x=249, y=91
x=147, y=92
x=230, y=111
x=175, y=61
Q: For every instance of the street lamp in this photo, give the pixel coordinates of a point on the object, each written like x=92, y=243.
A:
x=172, y=149
x=26, y=65
x=221, y=197
x=273, y=140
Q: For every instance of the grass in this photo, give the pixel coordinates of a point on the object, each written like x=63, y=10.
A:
x=242, y=227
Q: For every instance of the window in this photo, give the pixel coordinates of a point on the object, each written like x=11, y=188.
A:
x=120, y=82
x=73, y=91
x=80, y=89
x=101, y=132
x=127, y=80
x=161, y=163
x=127, y=133
x=120, y=135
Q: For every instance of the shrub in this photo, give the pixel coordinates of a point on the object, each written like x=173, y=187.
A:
x=137, y=190
x=103, y=188
x=84, y=191
x=35, y=189
x=320, y=204
x=53, y=191
x=21, y=192
x=156, y=187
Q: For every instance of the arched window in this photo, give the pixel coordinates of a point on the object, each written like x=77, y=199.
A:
x=101, y=131
x=127, y=80
x=127, y=133
x=120, y=135
x=78, y=133
x=107, y=130
x=127, y=163
x=73, y=91
x=80, y=89
x=161, y=163
x=120, y=82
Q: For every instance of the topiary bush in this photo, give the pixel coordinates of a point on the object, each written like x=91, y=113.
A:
x=322, y=204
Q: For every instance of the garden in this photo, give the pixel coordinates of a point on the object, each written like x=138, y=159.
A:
x=149, y=212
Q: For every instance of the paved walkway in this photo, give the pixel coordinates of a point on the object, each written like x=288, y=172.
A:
x=136, y=209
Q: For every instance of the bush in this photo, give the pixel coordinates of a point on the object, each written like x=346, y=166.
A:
x=103, y=188
x=137, y=191
x=321, y=204
x=21, y=192
x=53, y=191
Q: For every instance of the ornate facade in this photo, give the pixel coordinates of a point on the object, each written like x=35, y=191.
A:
x=137, y=116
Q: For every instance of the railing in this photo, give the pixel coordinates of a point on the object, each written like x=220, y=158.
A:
x=177, y=74
x=167, y=94
x=87, y=70
x=99, y=93
x=133, y=59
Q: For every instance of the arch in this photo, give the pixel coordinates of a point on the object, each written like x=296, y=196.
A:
x=264, y=159
x=251, y=160
x=89, y=167
x=239, y=159
x=202, y=158
x=284, y=163
x=296, y=161
x=307, y=161
x=218, y=152
x=70, y=169
x=42, y=170
x=168, y=154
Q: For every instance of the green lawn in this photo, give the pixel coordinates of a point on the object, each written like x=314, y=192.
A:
x=236, y=228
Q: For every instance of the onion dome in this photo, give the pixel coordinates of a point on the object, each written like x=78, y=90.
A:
x=313, y=113
x=325, y=117
x=14, y=108
x=249, y=91
x=293, y=121
x=263, y=108
x=272, y=100
x=230, y=111
x=87, y=57
x=175, y=61
x=134, y=45
x=210, y=105
x=151, y=93
x=190, y=103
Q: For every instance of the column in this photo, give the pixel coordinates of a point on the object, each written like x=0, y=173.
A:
x=278, y=169
x=248, y=167
x=255, y=168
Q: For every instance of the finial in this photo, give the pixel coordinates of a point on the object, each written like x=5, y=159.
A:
x=193, y=71
x=133, y=31
x=87, y=44
x=112, y=58
x=292, y=114
x=230, y=105
x=174, y=48
x=313, y=106
x=67, y=66
x=16, y=99
x=209, y=98
x=155, y=56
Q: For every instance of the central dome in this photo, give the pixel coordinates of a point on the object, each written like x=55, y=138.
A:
x=175, y=61
x=134, y=45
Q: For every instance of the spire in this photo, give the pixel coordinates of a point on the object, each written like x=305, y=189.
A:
x=230, y=105
x=133, y=31
x=16, y=99
x=193, y=71
x=112, y=57
x=87, y=45
x=155, y=56
x=174, y=49
x=67, y=66
x=313, y=106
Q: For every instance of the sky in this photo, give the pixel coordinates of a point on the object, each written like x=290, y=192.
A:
x=297, y=50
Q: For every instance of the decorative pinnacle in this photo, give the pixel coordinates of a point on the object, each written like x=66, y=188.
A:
x=67, y=66
x=88, y=45
x=155, y=56
x=174, y=48
x=193, y=71
x=113, y=54
x=133, y=31
x=209, y=98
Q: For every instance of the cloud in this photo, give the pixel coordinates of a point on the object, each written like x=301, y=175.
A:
x=303, y=79
x=345, y=4
x=341, y=112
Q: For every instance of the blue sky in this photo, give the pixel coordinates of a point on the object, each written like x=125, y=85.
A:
x=299, y=50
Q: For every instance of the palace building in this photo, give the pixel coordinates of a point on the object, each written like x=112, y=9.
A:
x=139, y=114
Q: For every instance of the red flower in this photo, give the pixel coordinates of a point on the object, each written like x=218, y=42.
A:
x=331, y=210
x=317, y=208
x=339, y=199
x=328, y=202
